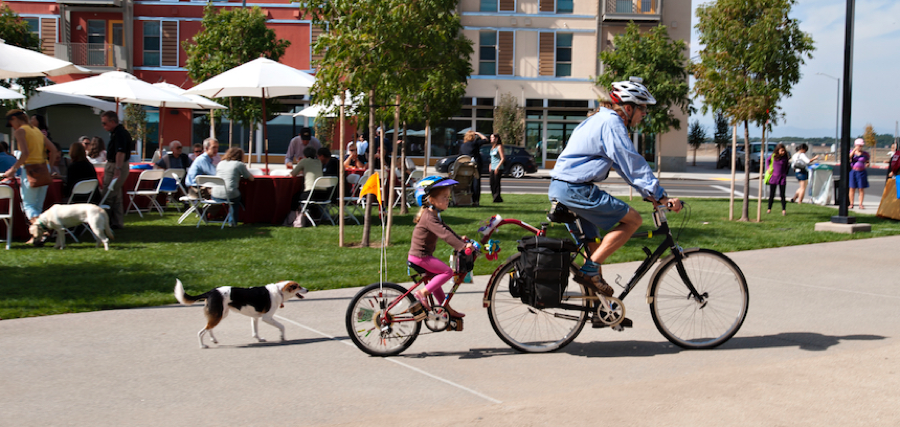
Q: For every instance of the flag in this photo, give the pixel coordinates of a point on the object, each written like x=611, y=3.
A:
x=372, y=186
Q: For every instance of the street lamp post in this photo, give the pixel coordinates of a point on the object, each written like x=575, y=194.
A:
x=837, y=116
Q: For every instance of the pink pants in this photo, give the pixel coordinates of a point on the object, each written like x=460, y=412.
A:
x=442, y=273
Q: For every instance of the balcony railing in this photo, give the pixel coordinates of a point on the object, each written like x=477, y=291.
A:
x=632, y=10
x=96, y=55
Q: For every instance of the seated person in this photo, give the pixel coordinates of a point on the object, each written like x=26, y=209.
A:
x=353, y=161
x=202, y=165
x=6, y=160
x=311, y=168
x=232, y=169
x=96, y=152
x=330, y=165
x=80, y=169
x=174, y=160
x=195, y=152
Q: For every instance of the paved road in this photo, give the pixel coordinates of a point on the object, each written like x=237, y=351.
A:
x=819, y=347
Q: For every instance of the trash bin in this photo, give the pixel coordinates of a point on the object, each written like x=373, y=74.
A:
x=821, y=184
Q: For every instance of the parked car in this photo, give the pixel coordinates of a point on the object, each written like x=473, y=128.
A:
x=518, y=162
x=724, y=159
x=755, y=150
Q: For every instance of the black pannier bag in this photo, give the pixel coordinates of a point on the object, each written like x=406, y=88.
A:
x=542, y=271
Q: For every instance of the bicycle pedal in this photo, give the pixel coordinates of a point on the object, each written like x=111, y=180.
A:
x=455, y=324
x=417, y=311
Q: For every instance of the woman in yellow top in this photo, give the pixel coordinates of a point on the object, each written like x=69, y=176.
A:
x=32, y=144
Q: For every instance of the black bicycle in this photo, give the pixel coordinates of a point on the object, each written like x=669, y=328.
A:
x=698, y=297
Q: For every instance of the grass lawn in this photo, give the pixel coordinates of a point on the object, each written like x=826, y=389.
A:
x=151, y=252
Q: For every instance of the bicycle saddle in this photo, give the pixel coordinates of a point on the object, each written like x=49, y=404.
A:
x=560, y=213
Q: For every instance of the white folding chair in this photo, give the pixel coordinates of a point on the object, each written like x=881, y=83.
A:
x=212, y=182
x=321, y=183
x=351, y=207
x=411, y=180
x=84, y=188
x=170, y=188
x=411, y=165
x=154, y=176
x=189, y=199
x=109, y=190
x=7, y=193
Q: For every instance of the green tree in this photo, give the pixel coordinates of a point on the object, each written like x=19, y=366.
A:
x=509, y=120
x=663, y=65
x=390, y=48
x=751, y=58
x=722, y=135
x=696, y=136
x=230, y=38
x=15, y=32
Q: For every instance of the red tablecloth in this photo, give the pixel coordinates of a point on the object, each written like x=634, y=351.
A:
x=20, y=224
x=130, y=181
x=267, y=199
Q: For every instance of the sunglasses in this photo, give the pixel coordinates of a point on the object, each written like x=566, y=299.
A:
x=198, y=151
x=643, y=108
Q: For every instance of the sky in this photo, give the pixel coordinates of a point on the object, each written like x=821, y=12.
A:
x=811, y=111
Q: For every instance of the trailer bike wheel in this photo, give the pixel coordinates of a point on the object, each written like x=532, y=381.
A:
x=706, y=323
x=376, y=332
x=529, y=329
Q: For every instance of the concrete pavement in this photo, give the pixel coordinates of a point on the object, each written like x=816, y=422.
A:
x=819, y=347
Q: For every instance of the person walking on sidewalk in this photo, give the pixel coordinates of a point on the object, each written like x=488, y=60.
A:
x=800, y=161
x=780, y=167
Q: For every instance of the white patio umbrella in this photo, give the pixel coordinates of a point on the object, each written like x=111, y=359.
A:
x=259, y=78
x=122, y=87
x=201, y=104
x=17, y=62
x=314, y=110
x=10, y=94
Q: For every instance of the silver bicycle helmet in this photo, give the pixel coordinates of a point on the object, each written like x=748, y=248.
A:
x=631, y=91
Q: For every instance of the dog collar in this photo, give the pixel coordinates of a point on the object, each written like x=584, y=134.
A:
x=41, y=225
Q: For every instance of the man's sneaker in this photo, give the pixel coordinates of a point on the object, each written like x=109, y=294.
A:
x=596, y=283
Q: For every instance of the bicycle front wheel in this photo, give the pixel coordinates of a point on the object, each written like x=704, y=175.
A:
x=706, y=323
x=376, y=332
x=528, y=329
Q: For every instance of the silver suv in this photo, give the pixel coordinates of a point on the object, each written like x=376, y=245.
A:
x=755, y=150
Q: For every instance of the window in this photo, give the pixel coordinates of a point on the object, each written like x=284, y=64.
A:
x=487, y=53
x=488, y=6
x=565, y=6
x=563, y=55
x=152, y=43
x=34, y=25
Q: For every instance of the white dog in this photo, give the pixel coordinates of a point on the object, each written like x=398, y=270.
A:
x=60, y=217
x=257, y=302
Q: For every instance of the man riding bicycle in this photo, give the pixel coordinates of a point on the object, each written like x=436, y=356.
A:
x=599, y=143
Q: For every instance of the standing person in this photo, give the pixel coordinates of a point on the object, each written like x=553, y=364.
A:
x=79, y=170
x=231, y=169
x=433, y=195
x=598, y=144
x=32, y=144
x=119, y=151
x=780, y=167
x=497, y=160
x=859, y=177
x=893, y=164
x=363, y=146
x=298, y=147
x=799, y=161
x=471, y=146
x=202, y=165
x=96, y=150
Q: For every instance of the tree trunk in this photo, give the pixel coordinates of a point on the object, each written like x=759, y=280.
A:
x=403, y=208
x=745, y=209
x=762, y=168
x=695, y=156
x=342, y=190
x=367, y=220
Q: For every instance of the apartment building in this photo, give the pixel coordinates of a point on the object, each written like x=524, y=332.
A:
x=545, y=53
x=144, y=37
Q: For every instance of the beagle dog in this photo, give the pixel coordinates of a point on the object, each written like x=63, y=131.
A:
x=256, y=302
x=60, y=217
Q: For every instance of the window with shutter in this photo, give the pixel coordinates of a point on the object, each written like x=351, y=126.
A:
x=506, y=52
x=48, y=36
x=507, y=5
x=315, y=32
x=548, y=6
x=547, y=47
x=169, y=44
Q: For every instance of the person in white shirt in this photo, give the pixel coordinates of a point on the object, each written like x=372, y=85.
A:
x=799, y=162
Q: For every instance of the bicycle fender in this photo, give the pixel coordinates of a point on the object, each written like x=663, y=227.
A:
x=662, y=261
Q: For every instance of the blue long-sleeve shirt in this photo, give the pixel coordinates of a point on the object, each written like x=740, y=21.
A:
x=599, y=144
x=202, y=165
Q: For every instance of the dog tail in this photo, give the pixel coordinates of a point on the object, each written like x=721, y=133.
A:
x=108, y=231
x=183, y=297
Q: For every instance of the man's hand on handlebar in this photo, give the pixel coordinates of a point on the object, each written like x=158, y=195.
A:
x=673, y=204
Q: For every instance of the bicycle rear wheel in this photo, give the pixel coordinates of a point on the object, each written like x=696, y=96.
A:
x=528, y=329
x=374, y=333
x=687, y=322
